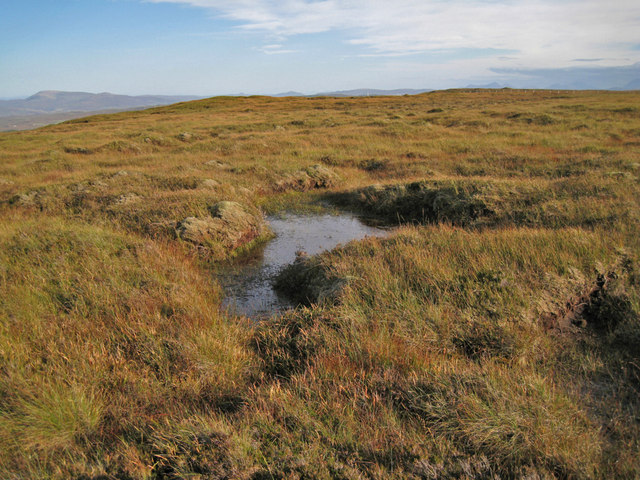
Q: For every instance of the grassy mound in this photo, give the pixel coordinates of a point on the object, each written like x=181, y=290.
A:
x=229, y=227
x=494, y=202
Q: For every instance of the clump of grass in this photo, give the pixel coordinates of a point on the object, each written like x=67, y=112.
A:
x=192, y=450
x=53, y=419
x=306, y=281
x=129, y=330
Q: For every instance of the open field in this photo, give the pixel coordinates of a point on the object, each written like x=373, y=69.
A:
x=494, y=334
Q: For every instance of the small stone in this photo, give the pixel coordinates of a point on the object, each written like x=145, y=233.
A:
x=127, y=198
x=28, y=199
x=209, y=183
x=217, y=164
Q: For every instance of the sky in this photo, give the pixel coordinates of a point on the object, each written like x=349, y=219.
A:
x=215, y=47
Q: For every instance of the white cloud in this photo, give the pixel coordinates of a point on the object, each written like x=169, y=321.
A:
x=275, y=49
x=544, y=33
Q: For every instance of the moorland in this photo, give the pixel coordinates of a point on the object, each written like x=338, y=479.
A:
x=494, y=333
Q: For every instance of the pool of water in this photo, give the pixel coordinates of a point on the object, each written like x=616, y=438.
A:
x=247, y=282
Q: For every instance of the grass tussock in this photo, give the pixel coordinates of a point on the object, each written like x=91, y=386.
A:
x=103, y=337
x=494, y=334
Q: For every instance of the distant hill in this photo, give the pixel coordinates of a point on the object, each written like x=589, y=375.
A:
x=488, y=85
x=52, y=101
x=289, y=94
x=574, y=85
x=632, y=85
x=371, y=92
x=359, y=92
x=52, y=106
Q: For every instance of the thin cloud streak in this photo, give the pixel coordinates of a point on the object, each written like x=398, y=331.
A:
x=545, y=33
x=275, y=49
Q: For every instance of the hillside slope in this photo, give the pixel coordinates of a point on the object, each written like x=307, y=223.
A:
x=495, y=333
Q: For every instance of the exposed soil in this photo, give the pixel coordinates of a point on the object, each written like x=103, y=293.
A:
x=586, y=308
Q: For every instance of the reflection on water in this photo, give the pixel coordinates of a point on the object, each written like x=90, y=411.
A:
x=247, y=282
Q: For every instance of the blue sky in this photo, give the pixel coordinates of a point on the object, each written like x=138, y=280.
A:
x=210, y=47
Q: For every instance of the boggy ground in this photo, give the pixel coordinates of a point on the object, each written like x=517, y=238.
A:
x=494, y=334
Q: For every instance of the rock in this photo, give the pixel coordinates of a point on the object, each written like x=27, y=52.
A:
x=126, y=198
x=78, y=150
x=79, y=187
x=229, y=225
x=184, y=136
x=209, y=183
x=28, y=199
x=217, y=164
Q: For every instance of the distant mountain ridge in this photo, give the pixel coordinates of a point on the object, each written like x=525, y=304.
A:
x=53, y=101
x=488, y=85
x=53, y=106
x=359, y=92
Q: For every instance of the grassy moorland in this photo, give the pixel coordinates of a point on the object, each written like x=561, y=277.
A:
x=494, y=334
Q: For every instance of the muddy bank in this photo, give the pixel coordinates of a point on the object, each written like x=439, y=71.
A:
x=602, y=305
x=425, y=202
x=487, y=203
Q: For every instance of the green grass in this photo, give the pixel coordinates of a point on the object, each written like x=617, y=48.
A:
x=494, y=334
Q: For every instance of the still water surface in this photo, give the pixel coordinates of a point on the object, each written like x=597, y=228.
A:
x=247, y=282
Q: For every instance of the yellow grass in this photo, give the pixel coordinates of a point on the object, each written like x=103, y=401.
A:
x=474, y=342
